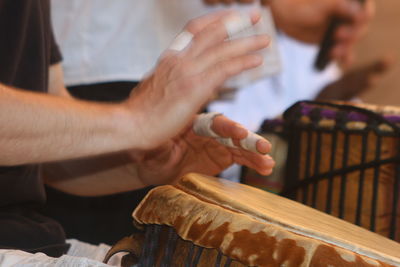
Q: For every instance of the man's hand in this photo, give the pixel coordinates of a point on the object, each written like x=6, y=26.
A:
x=356, y=82
x=166, y=101
x=307, y=21
x=188, y=152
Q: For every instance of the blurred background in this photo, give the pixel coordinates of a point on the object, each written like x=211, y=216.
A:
x=383, y=38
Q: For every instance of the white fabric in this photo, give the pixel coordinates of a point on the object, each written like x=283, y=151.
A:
x=203, y=123
x=79, y=255
x=118, y=40
x=202, y=127
x=250, y=142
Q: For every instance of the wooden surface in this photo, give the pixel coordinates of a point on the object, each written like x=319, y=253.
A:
x=386, y=178
x=256, y=227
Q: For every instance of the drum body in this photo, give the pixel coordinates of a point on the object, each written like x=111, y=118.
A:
x=164, y=247
x=344, y=160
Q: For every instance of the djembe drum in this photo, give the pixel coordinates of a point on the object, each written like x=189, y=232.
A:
x=204, y=221
x=344, y=160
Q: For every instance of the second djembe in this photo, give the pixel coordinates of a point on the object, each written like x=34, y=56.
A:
x=344, y=160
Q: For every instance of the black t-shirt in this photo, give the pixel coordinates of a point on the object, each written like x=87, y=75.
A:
x=27, y=49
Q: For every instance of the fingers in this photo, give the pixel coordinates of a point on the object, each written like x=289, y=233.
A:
x=203, y=125
x=358, y=17
x=375, y=70
x=263, y=164
x=245, y=147
x=211, y=32
x=233, y=49
x=255, y=143
x=382, y=65
x=193, y=28
x=218, y=31
x=197, y=25
x=347, y=10
x=216, y=75
x=225, y=127
x=204, y=47
x=229, y=133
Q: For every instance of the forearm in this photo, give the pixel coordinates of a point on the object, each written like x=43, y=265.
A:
x=94, y=176
x=41, y=128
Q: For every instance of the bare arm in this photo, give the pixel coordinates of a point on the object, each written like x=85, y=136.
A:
x=40, y=128
x=56, y=81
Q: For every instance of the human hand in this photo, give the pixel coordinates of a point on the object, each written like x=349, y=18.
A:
x=308, y=20
x=183, y=81
x=188, y=152
x=356, y=82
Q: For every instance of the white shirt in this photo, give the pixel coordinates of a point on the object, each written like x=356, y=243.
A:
x=121, y=40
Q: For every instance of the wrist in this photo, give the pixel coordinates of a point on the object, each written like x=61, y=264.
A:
x=129, y=124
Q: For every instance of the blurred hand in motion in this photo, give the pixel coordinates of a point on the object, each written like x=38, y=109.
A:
x=357, y=81
x=183, y=81
x=308, y=20
x=188, y=152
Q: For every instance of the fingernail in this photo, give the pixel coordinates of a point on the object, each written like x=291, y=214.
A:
x=263, y=146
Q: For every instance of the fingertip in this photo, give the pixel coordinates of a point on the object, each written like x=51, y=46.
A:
x=263, y=146
x=272, y=163
x=266, y=172
x=255, y=16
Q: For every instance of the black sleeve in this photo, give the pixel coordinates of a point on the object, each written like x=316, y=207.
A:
x=55, y=54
